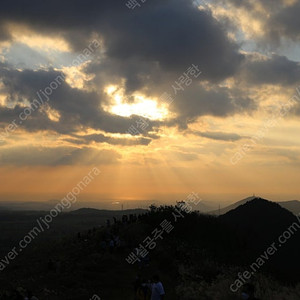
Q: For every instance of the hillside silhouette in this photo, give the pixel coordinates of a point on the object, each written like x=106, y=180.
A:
x=198, y=259
x=259, y=223
x=293, y=206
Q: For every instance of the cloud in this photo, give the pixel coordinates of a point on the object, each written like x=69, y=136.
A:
x=203, y=41
x=199, y=100
x=285, y=22
x=100, y=138
x=147, y=56
x=37, y=156
x=277, y=19
x=132, y=35
x=219, y=136
x=81, y=109
x=142, y=54
x=78, y=109
x=4, y=34
x=270, y=70
x=139, y=53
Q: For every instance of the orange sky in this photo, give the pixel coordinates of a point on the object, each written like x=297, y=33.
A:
x=233, y=131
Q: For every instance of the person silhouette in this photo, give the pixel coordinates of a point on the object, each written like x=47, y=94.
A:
x=18, y=295
x=140, y=289
x=30, y=296
x=249, y=292
x=157, y=289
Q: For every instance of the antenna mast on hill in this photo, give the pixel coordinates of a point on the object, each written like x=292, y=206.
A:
x=219, y=209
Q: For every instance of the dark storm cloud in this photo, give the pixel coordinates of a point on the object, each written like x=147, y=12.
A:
x=273, y=70
x=36, y=156
x=149, y=48
x=282, y=20
x=286, y=22
x=181, y=35
x=218, y=101
x=151, y=54
x=173, y=33
x=138, y=74
x=78, y=109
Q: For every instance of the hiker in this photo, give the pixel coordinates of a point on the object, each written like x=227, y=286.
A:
x=141, y=289
x=50, y=265
x=117, y=243
x=18, y=295
x=103, y=245
x=30, y=296
x=137, y=285
x=248, y=292
x=157, y=289
x=146, y=286
x=125, y=219
x=111, y=246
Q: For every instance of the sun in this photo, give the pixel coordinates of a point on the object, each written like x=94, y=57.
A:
x=140, y=105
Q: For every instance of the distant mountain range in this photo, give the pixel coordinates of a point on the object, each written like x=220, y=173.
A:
x=104, y=212
x=293, y=206
x=102, y=206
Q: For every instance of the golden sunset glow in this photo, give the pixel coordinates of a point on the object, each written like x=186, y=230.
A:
x=121, y=121
x=25, y=35
x=141, y=106
x=231, y=128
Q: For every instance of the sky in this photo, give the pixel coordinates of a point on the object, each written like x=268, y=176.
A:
x=164, y=98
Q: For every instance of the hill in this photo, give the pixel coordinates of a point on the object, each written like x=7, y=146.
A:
x=264, y=218
x=226, y=209
x=293, y=206
x=198, y=258
x=261, y=223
